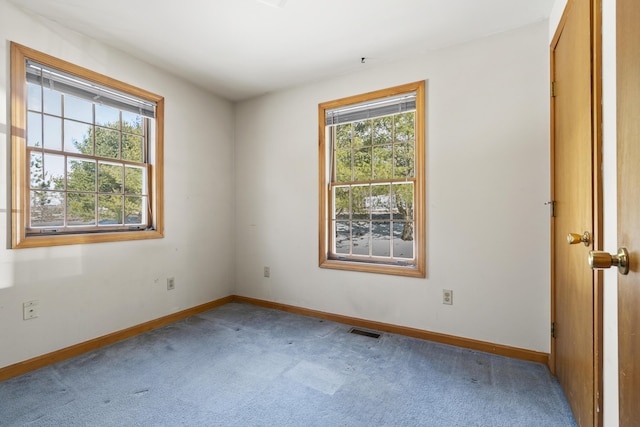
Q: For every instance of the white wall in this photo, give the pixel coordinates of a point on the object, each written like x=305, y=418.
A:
x=556, y=15
x=610, y=320
x=90, y=290
x=488, y=179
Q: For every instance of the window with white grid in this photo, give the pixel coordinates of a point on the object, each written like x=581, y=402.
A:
x=372, y=182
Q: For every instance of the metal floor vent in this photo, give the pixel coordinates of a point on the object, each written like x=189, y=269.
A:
x=364, y=333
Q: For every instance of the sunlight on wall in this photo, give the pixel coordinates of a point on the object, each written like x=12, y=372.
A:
x=6, y=257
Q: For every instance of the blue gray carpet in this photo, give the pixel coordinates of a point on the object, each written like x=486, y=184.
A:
x=241, y=365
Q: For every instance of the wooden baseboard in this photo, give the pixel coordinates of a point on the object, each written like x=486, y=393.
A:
x=83, y=347
x=502, y=350
x=96, y=343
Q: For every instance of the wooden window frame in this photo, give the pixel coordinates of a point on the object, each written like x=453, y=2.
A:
x=20, y=190
x=326, y=260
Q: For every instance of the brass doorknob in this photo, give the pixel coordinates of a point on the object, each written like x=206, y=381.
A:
x=599, y=260
x=574, y=238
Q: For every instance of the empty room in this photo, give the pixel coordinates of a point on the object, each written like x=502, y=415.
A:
x=299, y=212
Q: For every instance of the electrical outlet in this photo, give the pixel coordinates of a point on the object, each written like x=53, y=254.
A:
x=171, y=283
x=30, y=310
x=267, y=272
x=447, y=296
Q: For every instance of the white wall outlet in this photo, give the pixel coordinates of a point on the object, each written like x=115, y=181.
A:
x=267, y=272
x=171, y=283
x=30, y=310
x=447, y=296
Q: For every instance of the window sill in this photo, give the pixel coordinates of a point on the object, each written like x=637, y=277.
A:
x=75, y=239
x=395, y=270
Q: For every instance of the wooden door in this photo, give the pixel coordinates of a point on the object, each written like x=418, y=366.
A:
x=574, y=299
x=628, y=99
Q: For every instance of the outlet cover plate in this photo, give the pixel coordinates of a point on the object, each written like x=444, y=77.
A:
x=447, y=296
x=30, y=310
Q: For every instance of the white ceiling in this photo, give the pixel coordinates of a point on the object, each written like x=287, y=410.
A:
x=243, y=48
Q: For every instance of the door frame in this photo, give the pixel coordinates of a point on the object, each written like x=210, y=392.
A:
x=627, y=88
x=596, y=185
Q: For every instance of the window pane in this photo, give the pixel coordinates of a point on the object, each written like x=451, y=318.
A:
x=53, y=172
x=81, y=209
x=47, y=209
x=402, y=201
x=78, y=109
x=34, y=129
x=404, y=127
x=109, y=210
x=381, y=236
x=362, y=133
x=52, y=102
x=107, y=142
x=361, y=237
x=360, y=202
x=382, y=162
x=36, y=170
x=382, y=130
x=343, y=136
x=77, y=138
x=134, y=211
x=343, y=237
x=110, y=178
x=81, y=175
x=107, y=116
x=134, y=180
x=34, y=97
x=132, y=148
x=411, y=159
x=343, y=166
x=404, y=160
x=341, y=203
x=132, y=123
x=403, y=240
x=52, y=133
x=380, y=201
x=362, y=164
